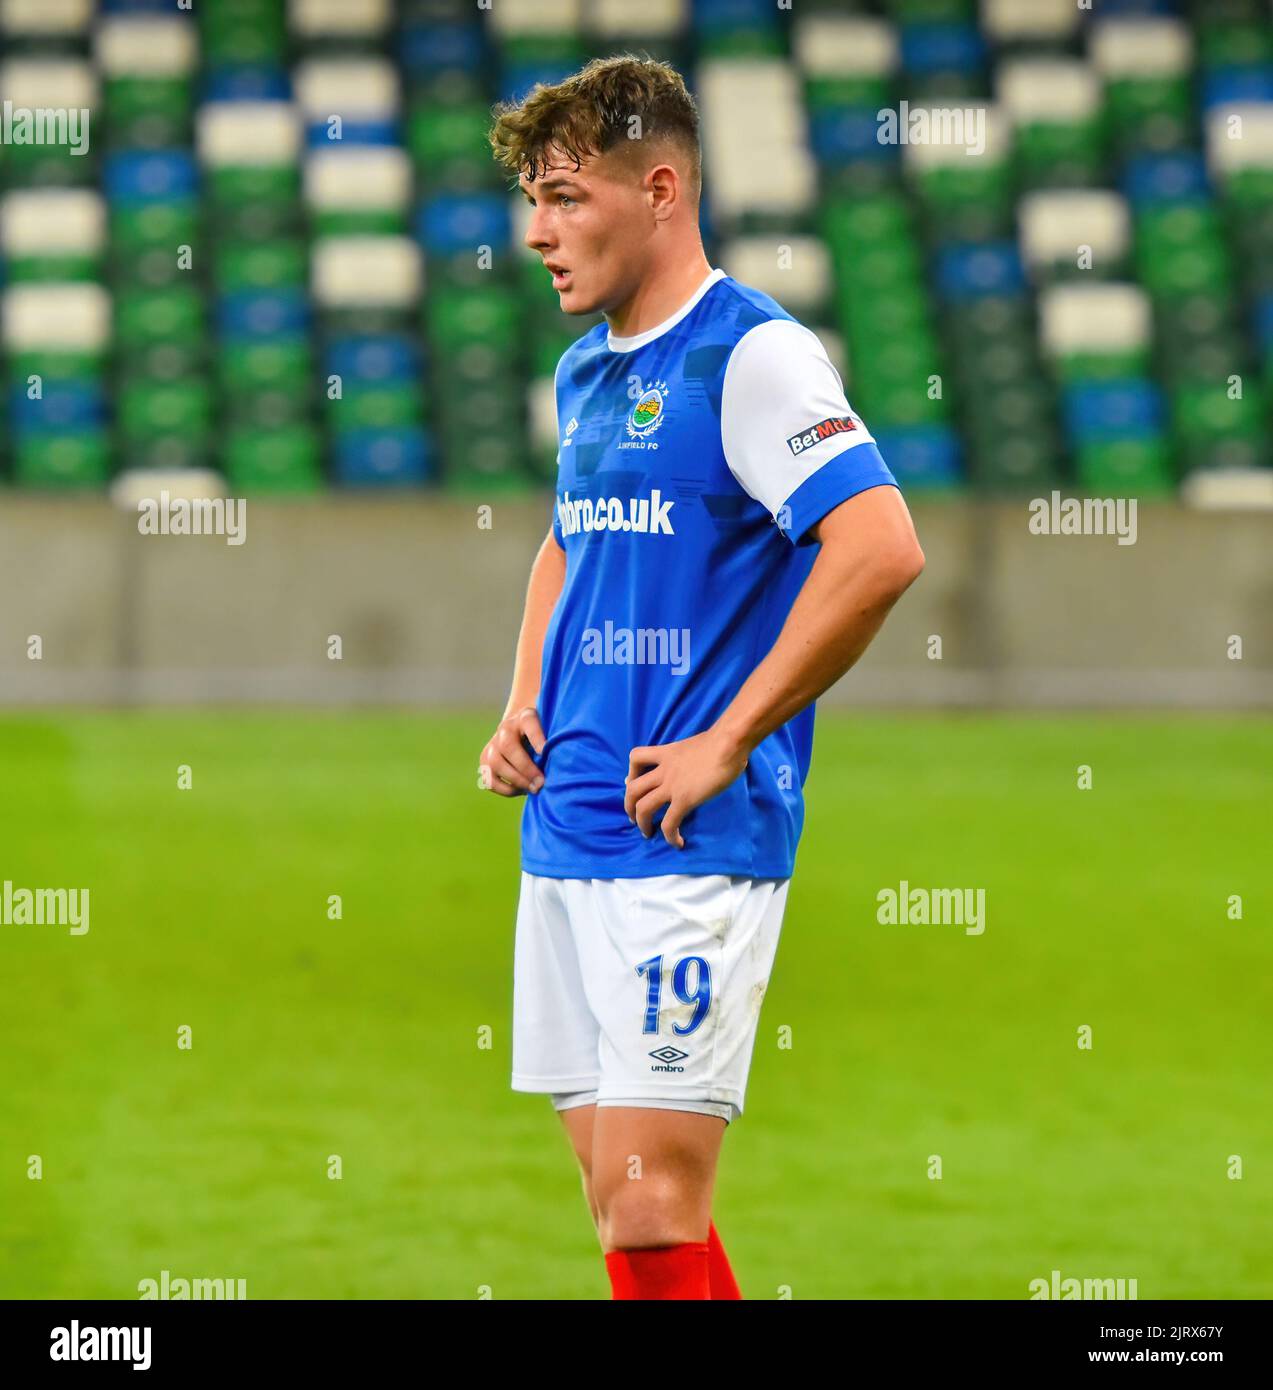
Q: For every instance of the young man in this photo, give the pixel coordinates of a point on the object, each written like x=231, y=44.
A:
x=725, y=543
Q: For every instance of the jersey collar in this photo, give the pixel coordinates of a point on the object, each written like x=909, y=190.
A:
x=640, y=339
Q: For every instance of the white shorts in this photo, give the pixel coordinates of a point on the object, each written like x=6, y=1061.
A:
x=642, y=991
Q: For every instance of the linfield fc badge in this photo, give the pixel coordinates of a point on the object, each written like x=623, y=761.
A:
x=647, y=410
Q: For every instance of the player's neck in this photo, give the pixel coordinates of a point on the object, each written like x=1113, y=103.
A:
x=661, y=293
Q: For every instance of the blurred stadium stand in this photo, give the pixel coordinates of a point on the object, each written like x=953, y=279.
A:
x=325, y=162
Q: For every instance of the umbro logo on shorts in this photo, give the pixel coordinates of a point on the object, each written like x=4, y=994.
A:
x=667, y=1056
x=824, y=429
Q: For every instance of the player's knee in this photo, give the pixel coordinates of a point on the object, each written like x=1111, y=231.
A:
x=647, y=1212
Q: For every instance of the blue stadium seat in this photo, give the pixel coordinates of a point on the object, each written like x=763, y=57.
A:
x=247, y=82
x=432, y=48
x=1166, y=178
x=263, y=314
x=848, y=135
x=1263, y=316
x=383, y=458
x=923, y=457
x=66, y=406
x=143, y=176
x=1227, y=86
x=935, y=48
x=733, y=14
x=317, y=136
x=453, y=223
x=1096, y=411
x=967, y=272
x=380, y=358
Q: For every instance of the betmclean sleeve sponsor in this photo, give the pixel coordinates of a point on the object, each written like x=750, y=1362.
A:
x=836, y=425
x=788, y=432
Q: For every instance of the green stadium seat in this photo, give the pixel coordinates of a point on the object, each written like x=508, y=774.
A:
x=62, y=461
x=285, y=460
x=1126, y=467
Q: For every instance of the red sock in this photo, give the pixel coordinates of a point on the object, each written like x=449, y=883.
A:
x=720, y=1276
x=671, y=1271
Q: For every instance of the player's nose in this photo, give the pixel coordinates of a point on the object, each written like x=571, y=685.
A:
x=537, y=236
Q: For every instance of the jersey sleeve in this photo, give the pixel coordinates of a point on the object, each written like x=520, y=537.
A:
x=789, y=434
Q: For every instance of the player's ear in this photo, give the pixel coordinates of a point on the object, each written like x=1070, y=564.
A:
x=663, y=188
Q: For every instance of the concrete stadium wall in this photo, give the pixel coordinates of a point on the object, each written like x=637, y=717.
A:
x=427, y=606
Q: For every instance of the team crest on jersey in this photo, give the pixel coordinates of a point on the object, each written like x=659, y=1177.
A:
x=647, y=412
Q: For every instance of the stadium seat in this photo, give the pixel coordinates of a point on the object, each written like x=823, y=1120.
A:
x=271, y=189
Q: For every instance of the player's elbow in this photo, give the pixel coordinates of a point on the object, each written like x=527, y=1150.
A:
x=897, y=566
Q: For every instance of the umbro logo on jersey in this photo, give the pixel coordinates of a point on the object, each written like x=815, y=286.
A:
x=666, y=1057
x=570, y=429
x=824, y=429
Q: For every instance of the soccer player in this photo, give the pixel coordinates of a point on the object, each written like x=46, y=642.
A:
x=725, y=543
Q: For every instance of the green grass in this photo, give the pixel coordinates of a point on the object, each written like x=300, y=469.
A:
x=361, y=1038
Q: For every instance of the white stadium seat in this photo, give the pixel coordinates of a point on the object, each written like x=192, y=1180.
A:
x=755, y=148
x=351, y=88
x=846, y=46
x=366, y=272
x=49, y=82
x=759, y=261
x=340, y=18
x=649, y=19
x=361, y=176
x=1056, y=222
x=510, y=18
x=1012, y=21
x=1156, y=46
x=36, y=18
x=1094, y=318
x=1047, y=90
x=1240, y=137
x=56, y=318
x=136, y=45
x=236, y=133
x=52, y=221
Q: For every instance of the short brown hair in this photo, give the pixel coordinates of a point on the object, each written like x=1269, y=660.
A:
x=592, y=112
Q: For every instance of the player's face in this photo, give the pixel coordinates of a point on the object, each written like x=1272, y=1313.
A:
x=589, y=226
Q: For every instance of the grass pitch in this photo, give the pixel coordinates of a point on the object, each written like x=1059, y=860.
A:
x=362, y=1038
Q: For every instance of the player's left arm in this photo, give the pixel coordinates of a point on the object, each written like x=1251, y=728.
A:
x=869, y=557
x=793, y=443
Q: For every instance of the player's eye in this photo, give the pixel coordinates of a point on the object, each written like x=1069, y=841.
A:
x=566, y=198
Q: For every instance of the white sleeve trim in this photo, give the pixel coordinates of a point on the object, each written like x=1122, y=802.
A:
x=779, y=387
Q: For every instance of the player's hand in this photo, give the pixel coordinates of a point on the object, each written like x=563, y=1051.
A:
x=679, y=776
x=505, y=765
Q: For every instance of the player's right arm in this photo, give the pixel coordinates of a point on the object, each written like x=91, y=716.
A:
x=506, y=766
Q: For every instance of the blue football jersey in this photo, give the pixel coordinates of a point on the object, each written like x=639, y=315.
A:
x=693, y=460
